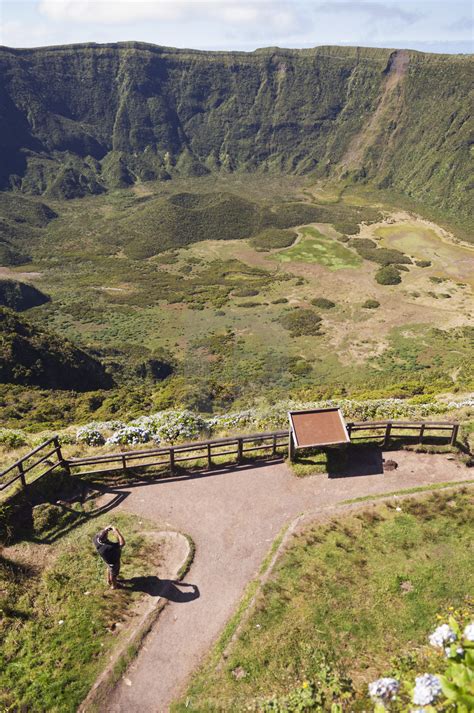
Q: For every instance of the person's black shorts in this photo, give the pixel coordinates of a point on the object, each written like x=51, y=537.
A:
x=114, y=569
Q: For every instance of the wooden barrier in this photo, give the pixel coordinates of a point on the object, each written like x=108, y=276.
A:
x=28, y=465
x=235, y=446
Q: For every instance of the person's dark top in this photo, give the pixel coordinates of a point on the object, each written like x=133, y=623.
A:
x=109, y=551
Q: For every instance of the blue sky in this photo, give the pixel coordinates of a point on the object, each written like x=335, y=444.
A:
x=429, y=25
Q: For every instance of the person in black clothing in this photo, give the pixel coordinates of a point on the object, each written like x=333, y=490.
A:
x=110, y=551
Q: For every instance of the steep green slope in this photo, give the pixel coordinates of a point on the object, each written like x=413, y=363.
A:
x=78, y=120
x=30, y=356
x=20, y=296
x=21, y=222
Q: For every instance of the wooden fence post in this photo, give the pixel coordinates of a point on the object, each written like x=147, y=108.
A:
x=60, y=458
x=209, y=458
x=172, y=466
x=454, y=434
x=422, y=431
x=240, y=450
x=291, y=446
x=349, y=430
x=274, y=450
x=124, y=462
x=22, y=476
x=388, y=431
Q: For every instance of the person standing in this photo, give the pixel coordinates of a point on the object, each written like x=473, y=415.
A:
x=110, y=551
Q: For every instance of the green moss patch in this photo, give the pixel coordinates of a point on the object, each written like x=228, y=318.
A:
x=318, y=248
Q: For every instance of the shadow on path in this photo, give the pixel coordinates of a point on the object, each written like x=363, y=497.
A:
x=166, y=588
x=355, y=460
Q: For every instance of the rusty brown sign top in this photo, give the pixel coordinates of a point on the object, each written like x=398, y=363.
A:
x=318, y=427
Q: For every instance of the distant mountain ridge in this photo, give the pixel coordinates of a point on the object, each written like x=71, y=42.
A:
x=82, y=119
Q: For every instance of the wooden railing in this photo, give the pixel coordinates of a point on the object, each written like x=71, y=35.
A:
x=26, y=471
x=236, y=446
x=419, y=430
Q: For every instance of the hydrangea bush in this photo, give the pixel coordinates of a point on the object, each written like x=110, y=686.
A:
x=173, y=426
x=129, y=436
x=12, y=438
x=90, y=435
x=453, y=689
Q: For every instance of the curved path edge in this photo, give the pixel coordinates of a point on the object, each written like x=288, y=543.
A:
x=129, y=645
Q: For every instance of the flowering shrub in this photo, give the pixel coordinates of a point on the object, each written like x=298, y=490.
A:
x=12, y=438
x=172, y=426
x=453, y=689
x=229, y=421
x=129, y=436
x=90, y=436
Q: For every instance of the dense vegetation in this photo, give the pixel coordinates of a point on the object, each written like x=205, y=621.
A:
x=20, y=296
x=348, y=601
x=30, y=356
x=82, y=119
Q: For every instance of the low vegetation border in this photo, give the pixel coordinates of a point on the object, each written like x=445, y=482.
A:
x=203, y=452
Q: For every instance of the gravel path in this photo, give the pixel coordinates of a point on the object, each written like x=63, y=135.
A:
x=233, y=518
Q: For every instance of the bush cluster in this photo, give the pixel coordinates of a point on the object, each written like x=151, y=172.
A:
x=323, y=303
x=301, y=322
x=388, y=275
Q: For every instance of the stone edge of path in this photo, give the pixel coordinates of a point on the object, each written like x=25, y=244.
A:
x=297, y=524
x=129, y=645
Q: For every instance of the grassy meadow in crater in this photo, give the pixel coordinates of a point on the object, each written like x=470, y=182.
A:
x=223, y=279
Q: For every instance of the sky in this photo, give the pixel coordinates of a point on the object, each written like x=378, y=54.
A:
x=427, y=25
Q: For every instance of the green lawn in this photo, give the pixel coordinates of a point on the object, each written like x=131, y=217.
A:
x=316, y=247
x=344, y=599
x=58, y=620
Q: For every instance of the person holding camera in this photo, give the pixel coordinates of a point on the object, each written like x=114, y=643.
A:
x=110, y=551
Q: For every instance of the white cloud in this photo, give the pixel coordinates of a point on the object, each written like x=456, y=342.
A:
x=265, y=12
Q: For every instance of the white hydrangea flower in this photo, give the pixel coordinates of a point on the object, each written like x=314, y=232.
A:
x=384, y=689
x=427, y=689
x=468, y=632
x=442, y=636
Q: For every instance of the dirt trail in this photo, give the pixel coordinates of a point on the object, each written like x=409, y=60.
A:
x=389, y=102
x=233, y=518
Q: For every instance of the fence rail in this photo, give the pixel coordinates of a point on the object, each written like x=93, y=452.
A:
x=28, y=464
x=50, y=453
x=237, y=446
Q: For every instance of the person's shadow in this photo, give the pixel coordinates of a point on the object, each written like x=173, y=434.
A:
x=166, y=588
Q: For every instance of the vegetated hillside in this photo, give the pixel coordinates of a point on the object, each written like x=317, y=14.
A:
x=177, y=220
x=29, y=356
x=20, y=296
x=80, y=119
x=21, y=222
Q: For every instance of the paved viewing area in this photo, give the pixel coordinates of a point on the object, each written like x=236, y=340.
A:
x=233, y=517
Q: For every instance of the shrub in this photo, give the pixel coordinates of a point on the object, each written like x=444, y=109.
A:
x=423, y=263
x=301, y=322
x=403, y=268
x=12, y=438
x=437, y=280
x=388, y=275
x=362, y=243
x=383, y=256
x=245, y=292
x=172, y=426
x=129, y=435
x=323, y=303
x=280, y=301
x=45, y=517
x=248, y=304
x=371, y=304
x=273, y=238
x=90, y=436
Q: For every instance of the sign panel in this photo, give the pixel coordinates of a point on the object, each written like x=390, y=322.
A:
x=319, y=427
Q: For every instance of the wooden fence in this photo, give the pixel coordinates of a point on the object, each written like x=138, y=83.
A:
x=26, y=470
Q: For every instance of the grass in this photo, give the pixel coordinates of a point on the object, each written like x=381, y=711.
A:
x=59, y=622
x=316, y=247
x=345, y=598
